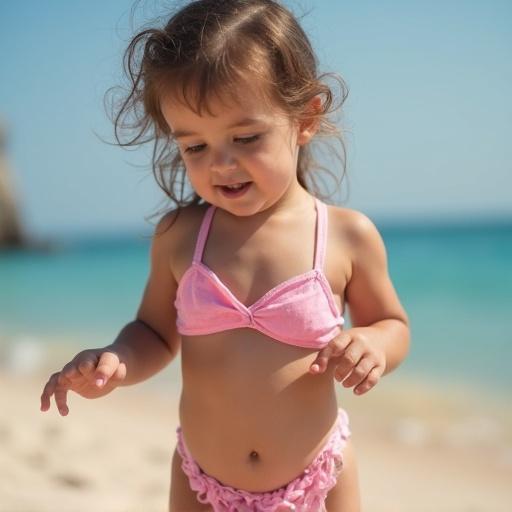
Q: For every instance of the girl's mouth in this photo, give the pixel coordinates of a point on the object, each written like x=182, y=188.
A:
x=236, y=190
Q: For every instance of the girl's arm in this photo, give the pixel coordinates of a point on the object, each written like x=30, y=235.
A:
x=142, y=348
x=151, y=341
x=379, y=338
x=373, y=302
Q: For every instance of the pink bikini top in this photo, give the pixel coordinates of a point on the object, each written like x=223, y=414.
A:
x=299, y=311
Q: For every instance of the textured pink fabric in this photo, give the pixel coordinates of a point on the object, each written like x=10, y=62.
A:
x=306, y=493
x=299, y=311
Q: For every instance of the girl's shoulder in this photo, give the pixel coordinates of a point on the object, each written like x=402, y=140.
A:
x=176, y=233
x=351, y=223
x=357, y=231
x=180, y=220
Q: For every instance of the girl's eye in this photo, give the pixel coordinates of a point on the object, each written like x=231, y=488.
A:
x=239, y=140
x=195, y=149
x=247, y=140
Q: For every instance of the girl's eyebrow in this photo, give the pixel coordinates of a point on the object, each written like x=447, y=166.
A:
x=247, y=121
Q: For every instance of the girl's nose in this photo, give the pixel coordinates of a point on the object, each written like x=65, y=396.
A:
x=222, y=160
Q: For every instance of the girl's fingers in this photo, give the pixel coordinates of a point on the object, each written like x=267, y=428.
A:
x=352, y=357
x=61, y=395
x=371, y=380
x=57, y=385
x=334, y=348
x=107, y=366
x=85, y=369
x=70, y=371
x=48, y=391
x=358, y=373
x=120, y=373
x=62, y=380
x=87, y=365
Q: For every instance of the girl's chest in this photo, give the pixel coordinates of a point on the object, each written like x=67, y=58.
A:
x=254, y=264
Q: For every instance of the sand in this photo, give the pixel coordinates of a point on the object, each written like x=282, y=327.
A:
x=419, y=448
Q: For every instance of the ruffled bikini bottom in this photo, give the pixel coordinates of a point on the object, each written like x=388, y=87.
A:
x=306, y=493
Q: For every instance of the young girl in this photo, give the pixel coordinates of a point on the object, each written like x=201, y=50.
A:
x=250, y=274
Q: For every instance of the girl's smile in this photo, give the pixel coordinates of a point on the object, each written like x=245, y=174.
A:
x=240, y=156
x=237, y=190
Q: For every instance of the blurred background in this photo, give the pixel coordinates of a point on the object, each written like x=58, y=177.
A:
x=427, y=125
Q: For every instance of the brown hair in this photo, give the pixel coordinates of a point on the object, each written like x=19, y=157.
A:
x=207, y=48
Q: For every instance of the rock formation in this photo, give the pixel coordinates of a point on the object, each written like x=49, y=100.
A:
x=11, y=233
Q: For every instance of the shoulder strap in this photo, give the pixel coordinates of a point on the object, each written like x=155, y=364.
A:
x=321, y=233
x=203, y=233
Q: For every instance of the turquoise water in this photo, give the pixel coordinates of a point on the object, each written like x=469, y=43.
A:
x=455, y=283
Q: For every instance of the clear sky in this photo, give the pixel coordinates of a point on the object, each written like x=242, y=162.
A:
x=428, y=117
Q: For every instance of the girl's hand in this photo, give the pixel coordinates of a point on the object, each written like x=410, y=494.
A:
x=359, y=360
x=91, y=373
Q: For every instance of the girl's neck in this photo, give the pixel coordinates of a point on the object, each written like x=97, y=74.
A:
x=295, y=202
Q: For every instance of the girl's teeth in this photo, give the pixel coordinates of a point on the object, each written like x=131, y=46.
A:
x=238, y=185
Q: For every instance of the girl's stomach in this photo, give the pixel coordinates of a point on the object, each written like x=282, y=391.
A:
x=252, y=416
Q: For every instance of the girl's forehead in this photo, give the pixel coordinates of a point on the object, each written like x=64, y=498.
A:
x=228, y=108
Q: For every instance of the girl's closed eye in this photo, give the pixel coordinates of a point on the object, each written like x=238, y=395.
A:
x=247, y=140
x=197, y=148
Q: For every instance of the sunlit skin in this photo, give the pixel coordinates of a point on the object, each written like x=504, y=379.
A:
x=234, y=381
x=241, y=143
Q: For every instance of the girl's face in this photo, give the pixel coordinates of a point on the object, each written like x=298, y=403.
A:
x=245, y=142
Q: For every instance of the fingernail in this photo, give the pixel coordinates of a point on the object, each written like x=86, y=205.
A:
x=100, y=382
x=315, y=367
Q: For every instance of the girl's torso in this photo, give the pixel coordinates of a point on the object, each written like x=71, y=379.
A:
x=252, y=415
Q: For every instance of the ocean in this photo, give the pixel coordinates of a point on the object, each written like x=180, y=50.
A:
x=455, y=283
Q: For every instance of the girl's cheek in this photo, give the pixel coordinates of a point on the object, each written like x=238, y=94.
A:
x=193, y=175
x=193, y=164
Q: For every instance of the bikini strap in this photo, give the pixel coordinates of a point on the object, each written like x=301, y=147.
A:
x=321, y=233
x=320, y=242
x=203, y=233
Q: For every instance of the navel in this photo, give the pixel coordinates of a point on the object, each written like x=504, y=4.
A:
x=254, y=456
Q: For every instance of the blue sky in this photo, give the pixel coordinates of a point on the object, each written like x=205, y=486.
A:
x=428, y=117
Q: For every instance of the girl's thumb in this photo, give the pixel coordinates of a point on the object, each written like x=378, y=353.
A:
x=100, y=382
x=108, y=364
x=315, y=367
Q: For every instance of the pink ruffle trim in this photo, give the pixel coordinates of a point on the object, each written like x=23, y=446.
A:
x=306, y=493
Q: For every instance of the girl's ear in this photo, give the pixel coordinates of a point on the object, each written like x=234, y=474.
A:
x=309, y=126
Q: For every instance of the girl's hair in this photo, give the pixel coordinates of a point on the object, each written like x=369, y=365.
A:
x=207, y=49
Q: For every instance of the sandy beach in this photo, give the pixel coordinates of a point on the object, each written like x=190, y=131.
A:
x=419, y=449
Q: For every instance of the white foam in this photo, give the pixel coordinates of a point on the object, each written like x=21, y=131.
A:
x=411, y=431
x=474, y=430
x=23, y=355
x=505, y=457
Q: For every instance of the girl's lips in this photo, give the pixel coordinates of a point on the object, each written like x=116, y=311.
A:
x=233, y=193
